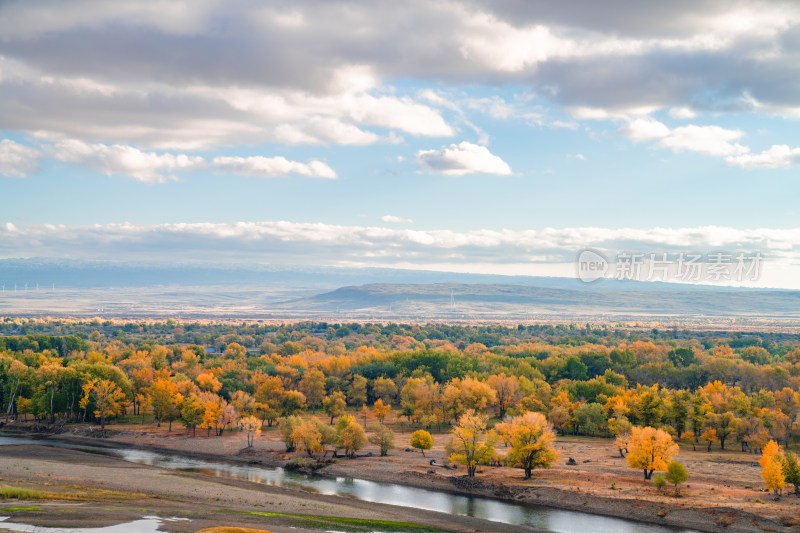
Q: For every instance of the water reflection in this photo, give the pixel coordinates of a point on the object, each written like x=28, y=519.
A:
x=544, y=518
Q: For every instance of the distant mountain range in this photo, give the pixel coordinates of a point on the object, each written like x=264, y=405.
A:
x=489, y=299
x=126, y=289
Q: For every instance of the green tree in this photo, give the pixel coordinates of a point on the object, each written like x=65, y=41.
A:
x=383, y=438
x=676, y=474
x=791, y=471
x=335, y=405
x=681, y=357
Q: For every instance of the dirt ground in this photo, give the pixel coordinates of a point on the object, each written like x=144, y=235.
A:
x=724, y=491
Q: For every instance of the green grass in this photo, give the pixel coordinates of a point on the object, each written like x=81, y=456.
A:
x=16, y=493
x=34, y=508
x=367, y=525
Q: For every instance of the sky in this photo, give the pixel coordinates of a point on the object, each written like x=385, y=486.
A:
x=472, y=136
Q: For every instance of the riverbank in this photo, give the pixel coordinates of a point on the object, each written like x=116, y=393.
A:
x=87, y=490
x=601, y=485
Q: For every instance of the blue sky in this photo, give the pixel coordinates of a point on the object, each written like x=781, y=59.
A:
x=467, y=136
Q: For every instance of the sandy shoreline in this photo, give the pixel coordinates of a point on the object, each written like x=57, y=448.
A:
x=674, y=514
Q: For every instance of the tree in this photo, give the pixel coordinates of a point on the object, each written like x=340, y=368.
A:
x=16, y=373
x=308, y=438
x=650, y=449
x=335, y=405
x=313, y=387
x=165, y=400
x=351, y=436
x=531, y=440
x=676, y=474
x=383, y=438
x=252, y=426
x=381, y=410
x=710, y=436
x=791, y=471
x=357, y=393
x=659, y=482
x=421, y=440
x=772, y=468
x=108, y=399
x=681, y=357
x=293, y=401
x=287, y=427
x=469, y=444
x=506, y=390
x=50, y=375
x=384, y=389
x=192, y=413
x=208, y=382
x=724, y=425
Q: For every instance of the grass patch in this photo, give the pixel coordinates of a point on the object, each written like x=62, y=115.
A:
x=17, y=493
x=360, y=523
x=34, y=508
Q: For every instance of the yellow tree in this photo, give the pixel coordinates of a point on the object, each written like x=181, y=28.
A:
x=308, y=438
x=421, y=440
x=381, y=410
x=351, y=436
x=208, y=382
x=469, y=444
x=772, y=467
x=109, y=400
x=252, y=426
x=531, y=440
x=650, y=449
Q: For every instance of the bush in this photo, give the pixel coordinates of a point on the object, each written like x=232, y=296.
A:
x=384, y=439
x=659, y=481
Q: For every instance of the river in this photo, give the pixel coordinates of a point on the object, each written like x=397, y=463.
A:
x=539, y=517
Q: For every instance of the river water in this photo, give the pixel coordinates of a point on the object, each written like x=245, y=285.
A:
x=539, y=517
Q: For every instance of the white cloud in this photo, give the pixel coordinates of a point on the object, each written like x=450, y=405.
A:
x=396, y=220
x=270, y=167
x=645, y=129
x=147, y=167
x=17, y=160
x=711, y=140
x=776, y=156
x=461, y=159
x=682, y=112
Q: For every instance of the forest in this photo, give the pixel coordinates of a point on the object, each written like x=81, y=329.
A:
x=712, y=389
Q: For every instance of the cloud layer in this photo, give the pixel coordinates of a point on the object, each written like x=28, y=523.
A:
x=179, y=75
x=318, y=243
